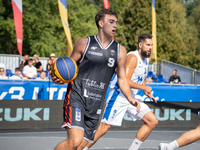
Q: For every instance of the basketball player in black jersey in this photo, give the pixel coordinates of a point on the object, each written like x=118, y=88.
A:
x=98, y=58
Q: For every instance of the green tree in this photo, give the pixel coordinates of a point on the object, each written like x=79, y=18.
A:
x=193, y=19
x=178, y=27
x=42, y=27
x=185, y=33
x=119, y=6
x=190, y=5
x=7, y=29
x=175, y=39
x=137, y=20
x=81, y=18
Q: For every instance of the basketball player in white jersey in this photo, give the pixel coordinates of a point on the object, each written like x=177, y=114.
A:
x=117, y=105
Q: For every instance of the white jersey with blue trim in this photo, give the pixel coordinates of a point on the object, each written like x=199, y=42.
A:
x=138, y=75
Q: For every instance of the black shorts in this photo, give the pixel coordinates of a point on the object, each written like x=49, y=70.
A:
x=75, y=118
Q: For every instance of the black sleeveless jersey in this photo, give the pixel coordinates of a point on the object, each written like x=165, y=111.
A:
x=96, y=69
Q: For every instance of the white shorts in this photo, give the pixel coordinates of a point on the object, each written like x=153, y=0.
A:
x=117, y=105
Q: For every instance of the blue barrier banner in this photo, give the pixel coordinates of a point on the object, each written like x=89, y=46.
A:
x=31, y=90
x=45, y=90
x=172, y=93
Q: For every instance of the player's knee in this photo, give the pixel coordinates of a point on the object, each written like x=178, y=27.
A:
x=153, y=123
x=79, y=148
x=105, y=130
x=76, y=142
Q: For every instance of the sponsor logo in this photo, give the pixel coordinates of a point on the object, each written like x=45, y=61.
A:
x=175, y=81
x=98, y=111
x=169, y=114
x=78, y=114
x=25, y=114
x=94, y=84
x=95, y=53
x=112, y=52
x=140, y=80
x=93, y=47
x=20, y=93
x=114, y=113
x=91, y=95
x=173, y=114
x=146, y=98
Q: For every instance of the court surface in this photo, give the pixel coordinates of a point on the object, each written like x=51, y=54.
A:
x=115, y=139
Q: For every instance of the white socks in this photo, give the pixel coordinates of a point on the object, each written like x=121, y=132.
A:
x=85, y=148
x=135, y=145
x=173, y=145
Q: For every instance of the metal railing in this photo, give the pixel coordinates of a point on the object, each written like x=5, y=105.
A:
x=13, y=61
x=197, y=77
x=152, y=67
x=187, y=75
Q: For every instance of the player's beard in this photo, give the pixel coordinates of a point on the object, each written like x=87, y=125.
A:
x=144, y=54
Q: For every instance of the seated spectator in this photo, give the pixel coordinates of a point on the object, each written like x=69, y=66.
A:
x=2, y=74
x=29, y=71
x=24, y=62
x=149, y=79
x=4, y=67
x=37, y=63
x=174, y=78
x=18, y=75
x=42, y=76
x=50, y=61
